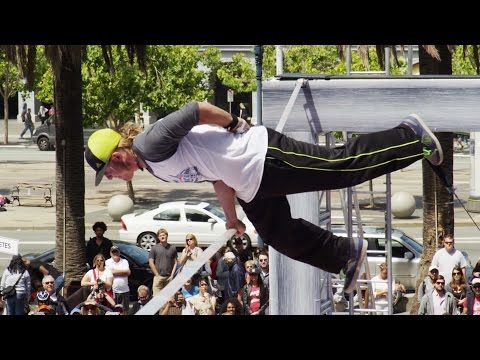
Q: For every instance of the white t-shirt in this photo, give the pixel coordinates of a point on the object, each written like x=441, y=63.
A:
x=198, y=159
x=120, y=283
x=446, y=261
x=106, y=274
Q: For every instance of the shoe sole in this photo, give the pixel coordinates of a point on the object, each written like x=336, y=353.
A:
x=360, y=261
x=434, y=138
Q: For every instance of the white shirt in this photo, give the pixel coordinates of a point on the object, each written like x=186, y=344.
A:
x=446, y=261
x=197, y=159
x=120, y=282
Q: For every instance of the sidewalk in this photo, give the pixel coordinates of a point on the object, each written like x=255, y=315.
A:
x=14, y=130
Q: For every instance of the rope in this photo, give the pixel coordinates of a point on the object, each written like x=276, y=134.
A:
x=449, y=186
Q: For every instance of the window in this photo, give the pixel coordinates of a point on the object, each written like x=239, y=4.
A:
x=398, y=250
x=195, y=215
x=168, y=215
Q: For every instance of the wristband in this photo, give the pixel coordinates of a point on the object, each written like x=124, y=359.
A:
x=233, y=123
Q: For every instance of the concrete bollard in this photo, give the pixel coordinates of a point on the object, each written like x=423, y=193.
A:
x=403, y=204
x=118, y=206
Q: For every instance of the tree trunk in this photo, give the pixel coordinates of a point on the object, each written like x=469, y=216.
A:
x=5, y=109
x=5, y=102
x=438, y=210
x=70, y=173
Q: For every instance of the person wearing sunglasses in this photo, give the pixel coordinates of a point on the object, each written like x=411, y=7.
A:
x=57, y=301
x=472, y=305
x=439, y=301
x=448, y=257
x=458, y=287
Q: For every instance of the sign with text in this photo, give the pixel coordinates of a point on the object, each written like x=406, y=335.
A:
x=8, y=246
x=230, y=95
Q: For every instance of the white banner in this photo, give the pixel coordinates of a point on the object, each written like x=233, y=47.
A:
x=8, y=245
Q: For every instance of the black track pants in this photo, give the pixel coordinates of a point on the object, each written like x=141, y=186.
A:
x=294, y=166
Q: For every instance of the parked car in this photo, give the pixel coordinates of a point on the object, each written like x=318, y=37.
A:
x=137, y=259
x=204, y=220
x=406, y=254
x=44, y=135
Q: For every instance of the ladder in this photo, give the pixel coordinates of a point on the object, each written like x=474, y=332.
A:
x=349, y=199
x=350, y=207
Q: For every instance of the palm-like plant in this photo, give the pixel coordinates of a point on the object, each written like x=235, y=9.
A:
x=69, y=172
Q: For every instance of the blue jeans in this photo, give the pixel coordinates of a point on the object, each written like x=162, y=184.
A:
x=16, y=304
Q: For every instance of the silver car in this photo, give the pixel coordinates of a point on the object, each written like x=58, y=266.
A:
x=406, y=253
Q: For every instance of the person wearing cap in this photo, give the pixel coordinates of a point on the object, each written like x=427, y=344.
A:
x=90, y=307
x=259, y=167
x=427, y=284
x=472, y=305
x=439, y=301
x=121, y=271
x=254, y=294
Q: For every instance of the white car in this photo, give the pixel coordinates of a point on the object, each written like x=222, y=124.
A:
x=205, y=221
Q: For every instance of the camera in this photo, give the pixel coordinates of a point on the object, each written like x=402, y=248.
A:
x=100, y=286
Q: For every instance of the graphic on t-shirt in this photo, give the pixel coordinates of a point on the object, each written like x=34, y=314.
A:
x=190, y=174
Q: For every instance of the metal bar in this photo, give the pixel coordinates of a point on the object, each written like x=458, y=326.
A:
x=410, y=60
x=387, y=61
x=388, y=241
x=188, y=270
x=376, y=103
x=348, y=59
x=289, y=107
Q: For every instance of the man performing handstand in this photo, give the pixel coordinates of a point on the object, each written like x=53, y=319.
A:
x=259, y=167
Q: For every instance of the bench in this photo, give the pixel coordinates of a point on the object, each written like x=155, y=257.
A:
x=32, y=190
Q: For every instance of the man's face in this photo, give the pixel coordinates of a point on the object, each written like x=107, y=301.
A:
x=115, y=255
x=263, y=260
x=122, y=166
x=49, y=285
x=449, y=244
x=440, y=285
x=162, y=237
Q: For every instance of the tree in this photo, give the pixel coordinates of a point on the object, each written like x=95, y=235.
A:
x=10, y=84
x=70, y=184
x=436, y=198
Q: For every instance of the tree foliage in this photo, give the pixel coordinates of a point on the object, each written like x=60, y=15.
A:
x=111, y=91
x=238, y=74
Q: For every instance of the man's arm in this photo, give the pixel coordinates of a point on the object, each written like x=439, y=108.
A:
x=213, y=115
x=43, y=270
x=151, y=263
x=226, y=197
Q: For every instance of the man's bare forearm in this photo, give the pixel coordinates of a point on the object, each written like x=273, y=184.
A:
x=226, y=197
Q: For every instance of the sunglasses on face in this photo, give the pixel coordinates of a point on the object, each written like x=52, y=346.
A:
x=456, y=273
x=49, y=283
x=476, y=287
x=440, y=282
